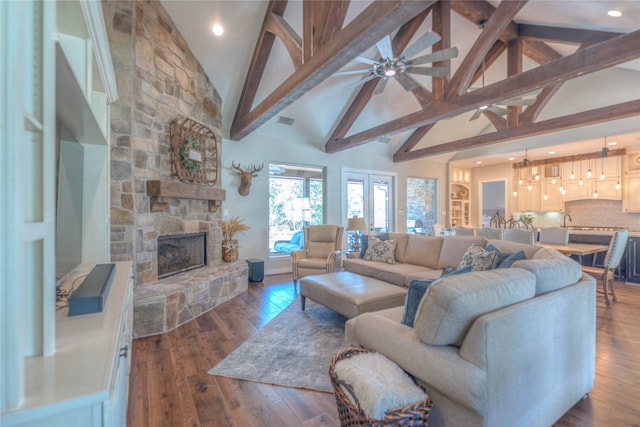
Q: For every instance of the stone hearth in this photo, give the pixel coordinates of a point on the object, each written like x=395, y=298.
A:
x=164, y=305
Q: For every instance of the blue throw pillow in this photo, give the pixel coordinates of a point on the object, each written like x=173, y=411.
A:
x=512, y=258
x=417, y=289
x=505, y=259
x=451, y=271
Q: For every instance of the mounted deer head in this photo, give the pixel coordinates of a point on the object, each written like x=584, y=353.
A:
x=246, y=176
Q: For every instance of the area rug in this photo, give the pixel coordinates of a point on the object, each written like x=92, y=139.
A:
x=292, y=350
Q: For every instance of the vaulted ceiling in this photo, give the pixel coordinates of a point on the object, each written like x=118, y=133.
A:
x=505, y=43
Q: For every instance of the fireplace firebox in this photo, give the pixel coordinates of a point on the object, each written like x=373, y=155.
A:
x=181, y=252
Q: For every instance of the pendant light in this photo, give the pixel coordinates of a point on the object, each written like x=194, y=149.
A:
x=580, y=182
x=572, y=175
x=589, y=171
x=618, y=186
x=595, y=193
x=602, y=170
x=553, y=180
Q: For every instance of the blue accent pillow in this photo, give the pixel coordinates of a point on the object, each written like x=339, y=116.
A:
x=505, y=259
x=451, y=271
x=417, y=289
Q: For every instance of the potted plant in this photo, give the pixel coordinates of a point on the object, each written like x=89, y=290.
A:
x=229, y=244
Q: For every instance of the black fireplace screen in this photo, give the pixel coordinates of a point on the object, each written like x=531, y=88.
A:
x=181, y=252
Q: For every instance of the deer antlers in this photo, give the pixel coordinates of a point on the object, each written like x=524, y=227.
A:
x=246, y=176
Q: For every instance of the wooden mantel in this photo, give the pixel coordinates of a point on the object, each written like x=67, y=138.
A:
x=161, y=193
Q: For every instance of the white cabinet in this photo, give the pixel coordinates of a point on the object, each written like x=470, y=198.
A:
x=529, y=197
x=85, y=382
x=459, y=197
x=552, y=200
x=631, y=201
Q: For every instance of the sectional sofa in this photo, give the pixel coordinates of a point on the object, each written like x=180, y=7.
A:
x=503, y=347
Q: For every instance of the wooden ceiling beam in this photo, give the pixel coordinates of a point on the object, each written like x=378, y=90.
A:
x=573, y=158
x=399, y=43
x=500, y=19
x=441, y=24
x=415, y=138
x=609, y=53
x=259, y=59
x=498, y=122
x=598, y=115
x=496, y=50
x=563, y=35
x=292, y=42
x=514, y=66
x=326, y=19
x=377, y=20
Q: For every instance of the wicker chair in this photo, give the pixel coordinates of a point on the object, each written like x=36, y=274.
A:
x=321, y=252
x=611, y=261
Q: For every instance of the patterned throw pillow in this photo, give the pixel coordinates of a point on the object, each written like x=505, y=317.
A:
x=478, y=258
x=379, y=250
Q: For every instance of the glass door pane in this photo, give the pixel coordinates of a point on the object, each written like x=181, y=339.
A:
x=381, y=188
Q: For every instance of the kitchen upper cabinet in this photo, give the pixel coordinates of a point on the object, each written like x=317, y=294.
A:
x=631, y=181
x=611, y=166
x=631, y=200
x=529, y=199
x=551, y=200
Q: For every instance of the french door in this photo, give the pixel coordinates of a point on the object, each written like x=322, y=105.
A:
x=370, y=196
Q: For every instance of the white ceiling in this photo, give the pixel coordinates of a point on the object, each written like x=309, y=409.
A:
x=226, y=60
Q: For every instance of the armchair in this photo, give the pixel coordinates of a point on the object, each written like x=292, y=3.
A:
x=321, y=252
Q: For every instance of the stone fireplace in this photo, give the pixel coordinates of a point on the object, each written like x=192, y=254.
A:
x=159, y=81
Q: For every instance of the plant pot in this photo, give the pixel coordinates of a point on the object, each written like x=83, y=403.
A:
x=229, y=250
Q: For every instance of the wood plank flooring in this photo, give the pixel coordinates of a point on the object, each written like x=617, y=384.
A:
x=169, y=385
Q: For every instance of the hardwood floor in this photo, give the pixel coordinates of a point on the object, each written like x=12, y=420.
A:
x=169, y=384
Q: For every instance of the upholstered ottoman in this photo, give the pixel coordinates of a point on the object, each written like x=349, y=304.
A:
x=351, y=294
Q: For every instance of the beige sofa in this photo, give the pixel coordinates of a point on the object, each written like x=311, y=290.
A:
x=504, y=347
x=423, y=257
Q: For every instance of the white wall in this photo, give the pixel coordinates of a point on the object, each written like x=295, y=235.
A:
x=481, y=174
x=258, y=148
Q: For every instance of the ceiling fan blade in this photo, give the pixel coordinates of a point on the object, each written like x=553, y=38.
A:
x=380, y=86
x=350, y=73
x=516, y=102
x=366, y=60
x=361, y=81
x=427, y=39
x=476, y=115
x=429, y=71
x=406, y=82
x=384, y=46
x=499, y=110
x=440, y=55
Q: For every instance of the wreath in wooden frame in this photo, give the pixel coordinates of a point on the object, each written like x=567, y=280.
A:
x=191, y=154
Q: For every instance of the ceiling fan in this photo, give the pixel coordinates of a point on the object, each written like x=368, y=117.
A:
x=400, y=67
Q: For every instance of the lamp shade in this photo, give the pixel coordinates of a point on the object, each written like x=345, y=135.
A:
x=356, y=224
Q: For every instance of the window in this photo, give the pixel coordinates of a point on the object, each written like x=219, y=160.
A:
x=296, y=196
x=422, y=204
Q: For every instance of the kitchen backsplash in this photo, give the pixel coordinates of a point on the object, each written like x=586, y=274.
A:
x=591, y=213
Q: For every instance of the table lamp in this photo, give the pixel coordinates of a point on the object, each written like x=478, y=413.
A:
x=356, y=225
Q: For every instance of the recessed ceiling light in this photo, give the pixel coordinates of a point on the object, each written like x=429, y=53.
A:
x=511, y=158
x=612, y=143
x=217, y=29
x=479, y=162
x=552, y=152
x=614, y=13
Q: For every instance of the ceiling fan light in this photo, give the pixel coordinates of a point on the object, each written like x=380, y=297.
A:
x=390, y=72
x=483, y=107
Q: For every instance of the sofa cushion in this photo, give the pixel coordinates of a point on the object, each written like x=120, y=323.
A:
x=381, y=250
x=552, y=270
x=454, y=247
x=417, y=289
x=364, y=242
x=453, y=303
x=477, y=257
x=423, y=250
